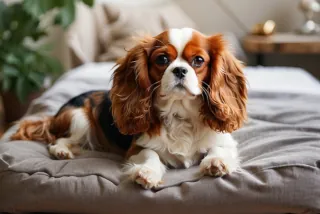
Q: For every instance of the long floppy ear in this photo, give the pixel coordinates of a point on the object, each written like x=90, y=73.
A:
x=225, y=110
x=130, y=94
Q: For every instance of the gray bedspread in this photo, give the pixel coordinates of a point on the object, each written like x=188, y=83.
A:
x=279, y=147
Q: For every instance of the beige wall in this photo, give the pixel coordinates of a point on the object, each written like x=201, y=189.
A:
x=210, y=17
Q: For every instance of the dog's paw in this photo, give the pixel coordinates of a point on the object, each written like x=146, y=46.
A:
x=60, y=152
x=215, y=166
x=147, y=178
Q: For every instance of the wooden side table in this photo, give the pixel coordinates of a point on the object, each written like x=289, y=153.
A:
x=283, y=43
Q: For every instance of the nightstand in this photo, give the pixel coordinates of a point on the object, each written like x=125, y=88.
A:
x=281, y=43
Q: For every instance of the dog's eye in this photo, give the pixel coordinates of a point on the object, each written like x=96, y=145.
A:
x=197, y=62
x=162, y=60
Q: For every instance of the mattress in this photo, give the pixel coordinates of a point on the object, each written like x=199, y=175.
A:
x=282, y=80
x=279, y=148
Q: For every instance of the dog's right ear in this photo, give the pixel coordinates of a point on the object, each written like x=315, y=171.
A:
x=130, y=93
x=225, y=110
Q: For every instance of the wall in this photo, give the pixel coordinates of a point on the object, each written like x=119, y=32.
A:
x=211, y=17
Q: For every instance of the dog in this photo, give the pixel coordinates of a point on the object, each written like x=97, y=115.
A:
x=175, y=99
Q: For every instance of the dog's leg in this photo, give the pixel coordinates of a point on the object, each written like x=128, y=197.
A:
x=79, y=128
x=145, y=169
x=222, y=157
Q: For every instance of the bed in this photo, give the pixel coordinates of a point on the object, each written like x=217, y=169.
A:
x=279, y=147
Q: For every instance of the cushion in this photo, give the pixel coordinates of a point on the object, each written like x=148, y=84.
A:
x=84, y=42
x=128, y=21
x=111, y=28
x=279, y=148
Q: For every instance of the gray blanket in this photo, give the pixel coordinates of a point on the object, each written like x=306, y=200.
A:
x=279, y=147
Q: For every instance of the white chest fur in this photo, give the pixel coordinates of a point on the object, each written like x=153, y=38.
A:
x=183, y=138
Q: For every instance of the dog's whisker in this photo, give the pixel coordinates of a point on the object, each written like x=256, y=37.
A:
x=153, y=85
x=155, y=88
x=208, y=99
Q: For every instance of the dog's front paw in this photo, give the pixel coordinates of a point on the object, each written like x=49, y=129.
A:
x=216, y=166
x=147, y=178
x=60, y=152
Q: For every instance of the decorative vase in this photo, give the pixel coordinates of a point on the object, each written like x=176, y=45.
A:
x=309, y=8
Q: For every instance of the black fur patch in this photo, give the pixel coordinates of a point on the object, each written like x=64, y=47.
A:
x=105, y=119
x=108, y=126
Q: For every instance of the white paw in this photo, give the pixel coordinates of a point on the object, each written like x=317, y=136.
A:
x=61, y=152
x=216, y=166
x=147, y=178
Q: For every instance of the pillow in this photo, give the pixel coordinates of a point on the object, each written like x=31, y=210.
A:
x=126, y=22
x=110, y=28
x=83, y=35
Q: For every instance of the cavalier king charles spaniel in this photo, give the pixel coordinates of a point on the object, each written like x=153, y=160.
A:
x=175, y=99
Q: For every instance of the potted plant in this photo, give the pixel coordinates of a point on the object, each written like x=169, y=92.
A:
x=24, y=66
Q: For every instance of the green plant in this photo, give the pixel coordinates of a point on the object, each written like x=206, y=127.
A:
x=65, y=15
x=23, y=67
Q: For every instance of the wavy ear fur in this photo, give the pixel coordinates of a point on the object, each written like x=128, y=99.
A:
x=130, y=93
x=227, y=98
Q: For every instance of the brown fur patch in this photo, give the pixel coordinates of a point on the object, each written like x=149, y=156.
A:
x=131, y=92
x=157, y=71
x=226, y=89
x=97, y=97
x=135, y=83
x=35, y=130
x=46, y=130
x=60, y=124
x=198, y=46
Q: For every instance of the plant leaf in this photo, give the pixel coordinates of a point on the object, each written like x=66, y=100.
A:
x=39, y=34
x=23, y=88
x=53, y=65
x=3, y=7
x=39, y=7
x=66, y=15
x=6, y=83
x=18, y=24
x=10, y=71
x=90, y=3
x=12, y=59
x=29, y=59
x=45, y=47
x=37, y=78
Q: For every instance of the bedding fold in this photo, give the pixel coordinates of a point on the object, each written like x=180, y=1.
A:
x=279, y=149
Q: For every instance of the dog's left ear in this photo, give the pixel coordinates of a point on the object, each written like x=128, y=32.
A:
x=130, y=94
x=225, y=110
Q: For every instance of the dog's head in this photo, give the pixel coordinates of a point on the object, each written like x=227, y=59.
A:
x=179, y=64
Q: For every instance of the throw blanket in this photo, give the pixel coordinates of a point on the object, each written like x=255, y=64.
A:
x=279, y=147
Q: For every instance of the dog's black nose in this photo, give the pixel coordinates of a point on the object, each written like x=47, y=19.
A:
x=179, y=72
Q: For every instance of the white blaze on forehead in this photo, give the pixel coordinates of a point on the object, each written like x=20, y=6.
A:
x=179, y=38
